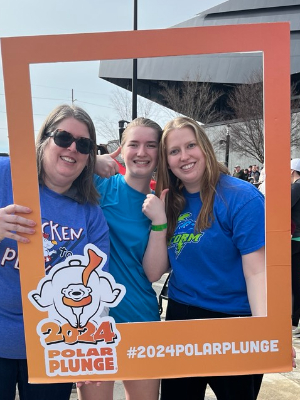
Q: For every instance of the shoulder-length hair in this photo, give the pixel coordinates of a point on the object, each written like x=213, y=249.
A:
x=166, y=179
x=84, y=182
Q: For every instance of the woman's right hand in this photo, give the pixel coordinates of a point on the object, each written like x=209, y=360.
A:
x=11, y=224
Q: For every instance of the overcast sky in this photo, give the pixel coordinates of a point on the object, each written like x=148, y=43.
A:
x=52, y=84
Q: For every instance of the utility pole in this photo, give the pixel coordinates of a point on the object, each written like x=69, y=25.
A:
x=227, y=143
x=73, y=100
x=134, y=68
x=227, y=147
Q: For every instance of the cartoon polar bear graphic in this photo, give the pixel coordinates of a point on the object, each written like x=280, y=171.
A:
x=76, y=292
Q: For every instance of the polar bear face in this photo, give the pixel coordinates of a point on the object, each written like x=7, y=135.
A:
x=76, y=292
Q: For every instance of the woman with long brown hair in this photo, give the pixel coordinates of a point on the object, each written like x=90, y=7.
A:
x=71, y=219
x=204, y=238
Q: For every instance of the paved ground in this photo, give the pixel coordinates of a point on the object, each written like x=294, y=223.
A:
x=281, y=386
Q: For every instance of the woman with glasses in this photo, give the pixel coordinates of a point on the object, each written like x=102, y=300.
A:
x=71, y=218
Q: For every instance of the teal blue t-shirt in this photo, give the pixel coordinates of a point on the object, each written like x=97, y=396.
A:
x=129, y=232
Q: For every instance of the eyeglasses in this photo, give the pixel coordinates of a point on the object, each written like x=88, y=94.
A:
x=65, y=139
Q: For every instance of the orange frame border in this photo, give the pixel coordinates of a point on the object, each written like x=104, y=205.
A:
x=18, y=53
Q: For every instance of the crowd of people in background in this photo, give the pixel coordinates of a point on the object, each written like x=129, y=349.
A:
x=252, y=174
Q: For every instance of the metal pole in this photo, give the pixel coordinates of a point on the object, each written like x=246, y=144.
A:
x=134, y=69
x=73, y=100
x=122, y=127
x=227, y=148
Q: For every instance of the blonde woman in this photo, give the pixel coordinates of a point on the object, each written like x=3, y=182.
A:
x=121, y=200
x=217, y=272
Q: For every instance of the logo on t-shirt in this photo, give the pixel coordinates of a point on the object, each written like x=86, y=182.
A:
x=184, y=233
x=59, y=241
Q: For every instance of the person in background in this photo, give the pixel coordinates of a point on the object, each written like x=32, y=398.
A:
x=199, y=196
x=239, y=173
x=121, y=200
x=255, y=174
x=249, y=171
x=262, y=183
x=66, y=153
x=295, y=198
x=246, y=174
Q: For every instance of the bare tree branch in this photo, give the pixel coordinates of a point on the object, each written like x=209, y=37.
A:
x=193, y=98
x=121, y=100
x=107, y=130
x=247, y=135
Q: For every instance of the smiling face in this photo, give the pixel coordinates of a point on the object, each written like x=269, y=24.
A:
x=76, y=291
x=140, y=153
x=63, y=165
x=185, y=158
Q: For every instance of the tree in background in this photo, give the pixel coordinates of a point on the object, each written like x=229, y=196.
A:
x=247, y=132
x=121, y=101
x=193, y=98
x=200, y=101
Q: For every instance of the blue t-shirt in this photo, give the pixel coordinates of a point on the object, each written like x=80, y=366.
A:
x=129, y=232
x=206, y=266
x=67, y=227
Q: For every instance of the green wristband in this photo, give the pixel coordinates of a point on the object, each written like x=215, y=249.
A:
x=159, y=227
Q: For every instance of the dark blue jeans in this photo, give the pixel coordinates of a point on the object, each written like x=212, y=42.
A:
x=234, y=387
x=14, y=372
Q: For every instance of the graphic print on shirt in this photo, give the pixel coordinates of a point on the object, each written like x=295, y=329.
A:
x=48, y=245
x=58, y=244
x=59, y=241
x=75, y=294
x=184, y=233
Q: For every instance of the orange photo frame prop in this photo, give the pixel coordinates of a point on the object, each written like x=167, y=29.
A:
x=179, y=348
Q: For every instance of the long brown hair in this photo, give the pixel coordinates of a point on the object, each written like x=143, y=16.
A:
x=166, y=179
x=84, y=182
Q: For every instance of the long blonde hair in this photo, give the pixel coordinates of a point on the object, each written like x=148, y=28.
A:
x=166, y=179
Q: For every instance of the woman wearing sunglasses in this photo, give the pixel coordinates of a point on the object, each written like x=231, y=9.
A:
x=121, y=200
x=71, y=218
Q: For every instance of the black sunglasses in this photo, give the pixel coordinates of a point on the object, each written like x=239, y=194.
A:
x=65, y=139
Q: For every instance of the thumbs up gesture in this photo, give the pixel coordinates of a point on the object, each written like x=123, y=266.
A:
x=106, y=165
x=154, y=208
